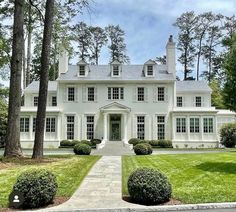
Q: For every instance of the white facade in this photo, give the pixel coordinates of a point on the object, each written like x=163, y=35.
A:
x=119, y=102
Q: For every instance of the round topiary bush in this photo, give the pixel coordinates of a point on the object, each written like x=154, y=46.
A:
x=134, y=141
x=149, y=147
x=228, y=135
x=149, y=186
x=38, y=187
x=86, y=142
x=95, y=141
x=82, y=149
x=141, y=149
x=74, y=142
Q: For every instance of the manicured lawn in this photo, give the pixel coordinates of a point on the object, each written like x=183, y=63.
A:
x=195, y=178
x=69, y=170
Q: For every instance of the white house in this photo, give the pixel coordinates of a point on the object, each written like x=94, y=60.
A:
x=118, y=102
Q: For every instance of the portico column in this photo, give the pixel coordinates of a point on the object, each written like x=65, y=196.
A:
x=105, y=126
x=125, y=139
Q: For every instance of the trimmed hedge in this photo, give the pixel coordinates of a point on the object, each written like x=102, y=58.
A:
x=95, y=141
x=228, y=135
x=165, y=144
x=38, y=187
x=134, y=141
x=68, y=143
x=153, y=143
x=86, y=142
x=82, y=149
x=149, y=186
x=143, y=149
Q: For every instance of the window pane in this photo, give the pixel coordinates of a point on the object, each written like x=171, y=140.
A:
x=54, y=101
x=140, y=92
x=90, y=127
x=35, y=100
x=91, y=94
x=141, y=127
x=71, y=94
x=161, y=94
x=70, y=127
x=179, y=101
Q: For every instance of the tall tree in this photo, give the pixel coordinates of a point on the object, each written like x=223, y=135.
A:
x=13, y=148
x=230, y=26
x=117, y=44
x=43, y=86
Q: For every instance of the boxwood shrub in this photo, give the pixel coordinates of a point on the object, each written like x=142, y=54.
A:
x=95, y=141
x=38, y=187
x=82, y=149
x=148, y=186
x=134, y=141
x=165, y=144
x=228, y=135
x=86, y=142
x=153, y=143
x=68, y=143
x=143, y=149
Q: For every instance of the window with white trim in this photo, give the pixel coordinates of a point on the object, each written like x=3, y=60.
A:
x=91, y=91
x=149, y=70
x=208, y=125
x=140, y=94
x=198, y=101
x=115, y=93
x=181, y=125
x=36, y=100
x=70, y=127
x=34, y=124
x=160, y=93
x=160, y=127
x=90, y=127
x=194, y=125
x=82, y=70
x=116, y=71
x=179, y=101
x=54, y=101
x=50, y=124
x=24, y=124
x=141, y=127
x=70, y=94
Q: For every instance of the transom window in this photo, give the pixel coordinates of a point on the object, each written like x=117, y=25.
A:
x=90, y=127
x=161, y=93
x=116, y=93
x=179, y=101
x=91, y=94
x=82, y=70
x=36, y=100
x=116, y=70
x=71, y=94
x=50, y=124
x=180, y=125
x=54, y=101
x=24, y=124
x=140, y=92
x=194, y=125
x=208, y=125
x=198, y=101
x=160, y=127
x=141, y=127
x=150, y=70
x=70, y=127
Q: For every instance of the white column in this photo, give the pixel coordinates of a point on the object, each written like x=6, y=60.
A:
x=58, y=128
x=201, y=127
x=188, y=127
x=125, y=139
x=31, y=128
x=173, y=127
x=105, y=120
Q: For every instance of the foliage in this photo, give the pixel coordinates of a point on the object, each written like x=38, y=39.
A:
x=134, y=141
x=143, y=149
x=86, y=142
x=95, y=141
x=37, y=186
x=165, y=144
x=3, y=112
x=149, y=186
x=82, y=149
x=68, y=143
x=216, y=95
x=153, y=143
x=228, y=135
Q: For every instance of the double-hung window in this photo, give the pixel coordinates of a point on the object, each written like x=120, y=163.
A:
x=149, y=70
x=181, y=125
x=194, y=125
x=160, y=127
x=179, y=101
x=34, y=124
x=24, y=124
x=141, y=127
x=51, y=124
x=70, y=94
x=208, y=125
x=91, y=91
x=54, y=101
x=70, y=127
x=198, y=101
x=161, y=94
x=82, y=70
x=140, y=94
x=116, y=70
x=90, y=127
x=115, y=93
x=36, y=100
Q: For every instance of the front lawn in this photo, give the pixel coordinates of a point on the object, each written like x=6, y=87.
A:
x=195, y=178
x=69, y=170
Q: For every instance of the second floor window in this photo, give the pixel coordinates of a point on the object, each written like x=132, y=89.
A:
x=179, y=101
x=50, y=124
x=115, y=70
x=82, y=70
x=54, y=101
x=115, y=93
x=36, y=100
x=198, y=101
x=140, y=94
x=149, y=70
x=161, y=94
x=70, y=94
x=91, y=94
x=24, y=124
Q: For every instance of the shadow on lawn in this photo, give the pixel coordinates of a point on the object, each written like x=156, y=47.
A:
x=225, y=167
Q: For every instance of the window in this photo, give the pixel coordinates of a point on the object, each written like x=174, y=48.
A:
x=34, y=124
x=194, y=125
x=208, y=125
x=180, y=125
x=54, y=101
x=149, y=70
x=140, y=92
x=141, y=127
x=179, y=101
x=115, y=93
x=160, y=127
x=82, y=70
x=198, y=101
x=36, y=99
x=91, y=94
x=24, y=124
x=71, y=94
x=116, y=70
x=70, y=127
x=50, y=124
x=161, y=94
x=90, y=127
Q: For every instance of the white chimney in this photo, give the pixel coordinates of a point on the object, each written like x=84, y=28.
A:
x=170, y=56
x=63, y=62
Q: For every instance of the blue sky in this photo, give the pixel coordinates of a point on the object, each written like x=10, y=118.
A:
x=148, y=23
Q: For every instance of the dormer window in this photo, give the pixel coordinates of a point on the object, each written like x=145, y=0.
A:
x=149, y=70
x=116, y=70
x=82, y=70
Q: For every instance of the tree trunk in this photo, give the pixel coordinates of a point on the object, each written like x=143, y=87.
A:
x=29, y=47
x=13, y=148
x=43, y=86
x=24, y=67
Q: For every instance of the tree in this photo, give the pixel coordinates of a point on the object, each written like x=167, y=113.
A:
x=216, y=96
x=43, y=86
x=161, y=60
x=13, y=148
x=117, y=44
x=4, y=92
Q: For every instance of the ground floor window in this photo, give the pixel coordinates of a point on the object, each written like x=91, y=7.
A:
x=208, y=125
x=90, y=127
x=24, y=124
x=50, y=124
x=34, y=124
x=194, y=125
x=160, y=127
x=70, y=127
x=141, y=127
x=180, y=125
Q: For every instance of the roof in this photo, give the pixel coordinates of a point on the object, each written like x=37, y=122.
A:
x=192, y=86
x=129, y=72
x=34, y=86
x=226, y=112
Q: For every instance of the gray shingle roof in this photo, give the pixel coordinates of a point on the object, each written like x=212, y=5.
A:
x=129, y=72
x=34, y=86
x=192, y=86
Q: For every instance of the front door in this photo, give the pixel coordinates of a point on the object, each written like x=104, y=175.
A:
x=115, y=128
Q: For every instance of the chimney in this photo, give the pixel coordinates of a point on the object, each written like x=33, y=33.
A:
x=63, y=61
x=170, y=56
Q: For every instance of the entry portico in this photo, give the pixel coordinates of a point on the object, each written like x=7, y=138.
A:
x=115, y=120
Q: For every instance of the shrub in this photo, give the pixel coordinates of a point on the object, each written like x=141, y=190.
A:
x=134, y=141
x=74, y=142
x=153, y=143
x=95, y=141
x=143, y=149
x=149, y=186
x=86, y=142
x=82, y=149
x=228, y=135
x=37, y=186
x=165, y=144
x=67, y=143
x=149, y=147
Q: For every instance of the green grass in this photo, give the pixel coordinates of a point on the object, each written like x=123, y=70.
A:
x=69, y=170
x=195, y=178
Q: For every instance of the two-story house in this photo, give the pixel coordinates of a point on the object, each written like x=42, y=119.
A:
x=117, y=102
